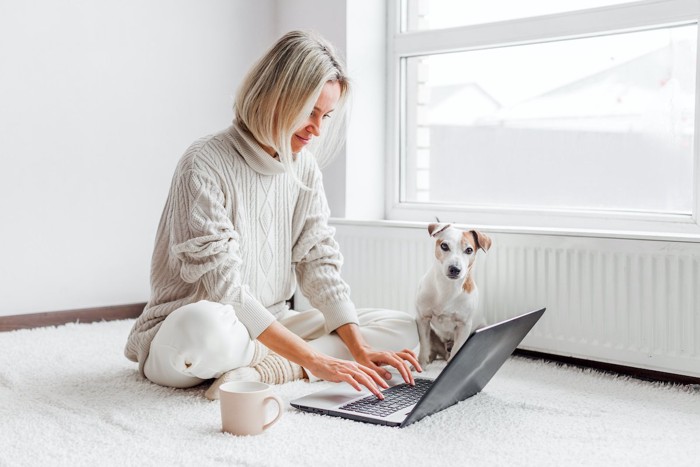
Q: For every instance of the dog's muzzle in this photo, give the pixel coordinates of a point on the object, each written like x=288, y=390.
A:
x=453, y=272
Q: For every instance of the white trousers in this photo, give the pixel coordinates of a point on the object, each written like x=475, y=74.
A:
x=203, y=340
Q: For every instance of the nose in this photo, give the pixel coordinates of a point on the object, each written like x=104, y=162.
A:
x=453, y=271
x=314, y=126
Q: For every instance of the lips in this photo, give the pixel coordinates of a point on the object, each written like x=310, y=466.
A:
x=303, y=140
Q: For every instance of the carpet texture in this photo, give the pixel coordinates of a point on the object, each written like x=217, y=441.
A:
x=69, y=397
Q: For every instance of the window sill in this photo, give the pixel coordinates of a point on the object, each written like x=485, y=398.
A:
x=691, y=236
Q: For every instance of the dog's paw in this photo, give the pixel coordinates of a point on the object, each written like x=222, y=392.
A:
x=423, y=360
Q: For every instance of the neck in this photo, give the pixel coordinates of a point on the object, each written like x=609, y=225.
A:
x=270, y=151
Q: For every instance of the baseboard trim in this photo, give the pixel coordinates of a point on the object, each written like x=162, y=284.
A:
x=638, y=373
x=56, y=318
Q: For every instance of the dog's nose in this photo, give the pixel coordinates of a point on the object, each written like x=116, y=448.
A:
x=453, y=271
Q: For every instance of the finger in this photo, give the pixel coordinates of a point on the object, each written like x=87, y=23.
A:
x=348, y=378
x=403, y=369
x=408, y=354
x=407, y=375
x=366, y=381
x=386, y=374
x=381, y=371
x=370, y=375
x=391, y=358
x=374, y=374
x=411, y=358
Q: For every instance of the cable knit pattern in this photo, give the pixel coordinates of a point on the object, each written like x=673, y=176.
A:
x=235, y=229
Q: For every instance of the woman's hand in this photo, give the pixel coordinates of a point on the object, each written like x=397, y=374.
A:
x=373, y=359
x=365, y=371
x=287, y=344
x=353, y=373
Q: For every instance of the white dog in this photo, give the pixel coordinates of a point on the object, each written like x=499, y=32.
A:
x=447, y=298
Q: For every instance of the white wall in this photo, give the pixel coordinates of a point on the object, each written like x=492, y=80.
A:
x=366, y=139
x=98, y=102
x=100, y=99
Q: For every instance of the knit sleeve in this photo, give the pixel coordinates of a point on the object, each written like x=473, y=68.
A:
x=207, y=248
x=318, y=260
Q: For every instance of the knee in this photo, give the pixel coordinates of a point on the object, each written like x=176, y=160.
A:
x=397, y=326
x=194, y=321
x=203, y=339
x=404, y=324
x=392, y=318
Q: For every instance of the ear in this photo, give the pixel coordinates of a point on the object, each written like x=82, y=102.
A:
x=482, y=240
x=434, y=229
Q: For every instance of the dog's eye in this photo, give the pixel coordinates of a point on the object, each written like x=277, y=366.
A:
x=444, y=247
x=469, y=250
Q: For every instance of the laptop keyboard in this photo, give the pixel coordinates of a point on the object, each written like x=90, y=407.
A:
x=395, y=398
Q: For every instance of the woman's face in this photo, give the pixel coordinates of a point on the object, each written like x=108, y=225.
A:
x=325, y=105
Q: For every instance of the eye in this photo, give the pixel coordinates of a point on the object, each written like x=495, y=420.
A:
x=323, y=117
x=469, y=250
x=444, y=247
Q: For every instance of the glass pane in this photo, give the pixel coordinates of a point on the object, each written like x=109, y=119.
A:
x=438, y=14
x=596, y=123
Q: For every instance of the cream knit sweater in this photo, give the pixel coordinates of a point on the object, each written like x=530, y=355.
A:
x=235, y=229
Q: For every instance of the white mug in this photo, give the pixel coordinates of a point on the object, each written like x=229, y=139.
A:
x=243, y=407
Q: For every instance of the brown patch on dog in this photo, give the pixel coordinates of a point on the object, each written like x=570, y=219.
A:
x=439, y=254
x=468, y=240
x=469, y=285
x=482, y=241
x=476, y=239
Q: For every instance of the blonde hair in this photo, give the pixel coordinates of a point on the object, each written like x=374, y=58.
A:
x=280, y=90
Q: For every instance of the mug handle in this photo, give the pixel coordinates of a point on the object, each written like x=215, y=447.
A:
x=279, y=410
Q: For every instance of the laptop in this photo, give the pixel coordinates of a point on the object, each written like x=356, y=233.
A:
x=465, y=375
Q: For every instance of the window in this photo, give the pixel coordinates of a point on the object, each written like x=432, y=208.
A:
x=441, y=14
x=576, y=118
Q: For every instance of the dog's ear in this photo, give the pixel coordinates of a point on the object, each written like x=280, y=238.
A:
x=482, y=240
x=434, y=229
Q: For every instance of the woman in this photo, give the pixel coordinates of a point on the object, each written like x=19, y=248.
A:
x=245, y=218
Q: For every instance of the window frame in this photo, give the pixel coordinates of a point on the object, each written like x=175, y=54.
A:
x=637, y=16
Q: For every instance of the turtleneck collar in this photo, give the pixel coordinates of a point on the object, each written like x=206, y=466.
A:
x=253, y=153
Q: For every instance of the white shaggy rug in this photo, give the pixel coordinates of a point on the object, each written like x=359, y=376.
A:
x=69, y=397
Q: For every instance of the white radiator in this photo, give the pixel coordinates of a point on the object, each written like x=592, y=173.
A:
x=628, y=302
